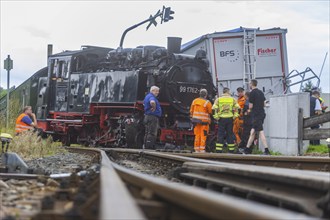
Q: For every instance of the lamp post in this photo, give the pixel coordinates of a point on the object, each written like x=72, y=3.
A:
x=8, y=65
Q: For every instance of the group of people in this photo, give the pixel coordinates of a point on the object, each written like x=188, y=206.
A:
x=238, y=120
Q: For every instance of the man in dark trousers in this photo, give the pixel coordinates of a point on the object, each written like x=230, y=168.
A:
x=256, y=108
x=315, y=109
x=225, y=111
x=247, y=122
x=152, y=113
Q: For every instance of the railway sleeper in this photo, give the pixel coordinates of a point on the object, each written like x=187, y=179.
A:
x=289, y=196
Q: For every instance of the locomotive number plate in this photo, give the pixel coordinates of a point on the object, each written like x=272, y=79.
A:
x=188, y=89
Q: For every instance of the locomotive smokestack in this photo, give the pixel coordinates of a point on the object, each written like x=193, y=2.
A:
x=49, y=50
x=174, y=45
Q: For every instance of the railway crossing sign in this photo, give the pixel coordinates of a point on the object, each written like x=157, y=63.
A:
x=8, y=64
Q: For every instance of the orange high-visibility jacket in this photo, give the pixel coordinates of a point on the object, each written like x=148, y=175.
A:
x=241, y=102
x=201, y=109
x=21, y=126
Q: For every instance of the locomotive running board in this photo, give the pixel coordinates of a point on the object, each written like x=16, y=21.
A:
x=64, y=120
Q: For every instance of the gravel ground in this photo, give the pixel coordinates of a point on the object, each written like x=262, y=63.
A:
x=315, y=154
x=144, y=165
x=21, y=199
x=60, y=163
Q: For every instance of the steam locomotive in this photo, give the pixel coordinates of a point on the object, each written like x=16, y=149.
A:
x=94, y=96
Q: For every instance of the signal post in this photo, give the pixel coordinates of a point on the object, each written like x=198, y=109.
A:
x=8, y=65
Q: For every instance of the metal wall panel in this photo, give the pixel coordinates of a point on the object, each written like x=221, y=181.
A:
x=102, y=87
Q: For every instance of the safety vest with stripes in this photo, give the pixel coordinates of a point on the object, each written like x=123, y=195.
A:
x=20, y=125
x=200, y=110
x=225, y=107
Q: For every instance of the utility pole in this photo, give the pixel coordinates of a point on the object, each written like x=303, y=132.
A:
x=8, y=65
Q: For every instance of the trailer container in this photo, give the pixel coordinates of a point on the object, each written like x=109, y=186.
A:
x=242, y=54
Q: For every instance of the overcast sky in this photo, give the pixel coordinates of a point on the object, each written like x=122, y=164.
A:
x=28, y=26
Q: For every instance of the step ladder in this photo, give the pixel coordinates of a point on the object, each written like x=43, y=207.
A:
x=249, y=56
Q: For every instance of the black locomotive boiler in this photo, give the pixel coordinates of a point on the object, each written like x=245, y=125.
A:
x=94, y=96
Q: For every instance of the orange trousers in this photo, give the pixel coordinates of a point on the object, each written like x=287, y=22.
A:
x=238, y=129
x=200, y=132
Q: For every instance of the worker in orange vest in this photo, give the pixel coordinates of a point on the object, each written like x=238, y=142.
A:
x=200, y=111
x=238, y=123
x=26, y=121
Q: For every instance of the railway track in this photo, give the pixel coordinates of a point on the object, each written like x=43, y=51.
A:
x=161, y=199
x=291, y=162
x=301, y=191
x=117, y=192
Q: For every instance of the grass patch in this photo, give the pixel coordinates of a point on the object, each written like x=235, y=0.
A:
x=318, y=149
x=255, y=150
x=275, y=153
x=30, y=146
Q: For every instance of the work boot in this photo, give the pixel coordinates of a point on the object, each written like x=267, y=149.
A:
x=266, y=152
x=247, y=150
x=241, y=150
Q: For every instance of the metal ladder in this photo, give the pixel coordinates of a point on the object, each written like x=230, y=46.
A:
x=249, y=56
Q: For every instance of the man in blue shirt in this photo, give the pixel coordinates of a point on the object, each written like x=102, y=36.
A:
x=152, y=113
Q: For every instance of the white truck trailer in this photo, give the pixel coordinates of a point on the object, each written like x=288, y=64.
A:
x=242, y=54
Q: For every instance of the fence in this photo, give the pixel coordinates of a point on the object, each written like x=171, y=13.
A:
x=312, y=134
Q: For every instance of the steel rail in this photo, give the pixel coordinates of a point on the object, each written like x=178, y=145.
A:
x=291, y=162
x=313, y=178
x=115, y=200
x=19, y=176
x=203, y=203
